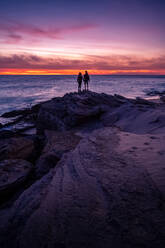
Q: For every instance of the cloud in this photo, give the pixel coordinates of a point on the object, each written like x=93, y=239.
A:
x=14, y=32
x=26, y=61
x=13, y=38
x=117, y=62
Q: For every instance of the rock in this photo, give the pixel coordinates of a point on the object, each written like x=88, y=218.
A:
x=74, y=109
x=21, y=120
x=135, y=118
x=60, y=142
x=154, y=92
x=6, y=134
x=13, y=173
x=22, y=112
x=140, y=100
x=98, y=197
x=16, y=113
x=110, y=118
x=57, y=143
x=45, y=163
x=16, y=148
x=162, y=98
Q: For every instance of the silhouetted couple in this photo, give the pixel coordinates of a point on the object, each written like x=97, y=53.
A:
x=84, y=78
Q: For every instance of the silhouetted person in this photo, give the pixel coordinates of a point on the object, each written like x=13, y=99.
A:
x=79, y=81
x=86, y=80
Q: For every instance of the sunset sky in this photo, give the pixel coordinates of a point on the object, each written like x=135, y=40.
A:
x=66, y=36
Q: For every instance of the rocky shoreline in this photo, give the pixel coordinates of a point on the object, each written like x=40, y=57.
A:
x=83, y=170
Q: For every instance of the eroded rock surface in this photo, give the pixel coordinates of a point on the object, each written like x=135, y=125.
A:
x=57, y=143
x=105, y=190
x=97, y=196
x=73, y=110
x=13, y=173
x=16, y=148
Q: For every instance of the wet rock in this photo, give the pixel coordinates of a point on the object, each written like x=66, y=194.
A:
x=13, y=173
x=155, y=93
x=21, y=120
x=22, y=112
x=16, y=113
x=57, y=143
x=16, y=148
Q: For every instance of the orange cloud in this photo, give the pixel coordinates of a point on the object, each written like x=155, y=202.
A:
x=75, y=72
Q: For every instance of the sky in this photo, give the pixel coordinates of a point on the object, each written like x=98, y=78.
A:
x=68, y=36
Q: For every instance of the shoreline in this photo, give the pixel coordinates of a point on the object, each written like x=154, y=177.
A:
x=10, y=118
x=18, y=93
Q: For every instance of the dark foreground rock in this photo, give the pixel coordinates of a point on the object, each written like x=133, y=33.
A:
x=105, y=190
x=74, y=109
x=22, y=112
x=57, y=144
x=97, y=196
x=13, y=173
x=16, y=148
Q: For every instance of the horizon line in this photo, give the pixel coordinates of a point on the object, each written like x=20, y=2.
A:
x=160, y=75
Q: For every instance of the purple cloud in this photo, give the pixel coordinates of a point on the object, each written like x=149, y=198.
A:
x=26, y=61
x=14, y=32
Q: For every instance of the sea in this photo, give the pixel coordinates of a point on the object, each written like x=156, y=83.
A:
x=18, y=91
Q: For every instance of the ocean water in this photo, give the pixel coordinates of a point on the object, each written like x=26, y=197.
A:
x=17, y=92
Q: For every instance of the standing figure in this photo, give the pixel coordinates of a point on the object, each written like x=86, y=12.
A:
x=79, y=81
x=86, y=80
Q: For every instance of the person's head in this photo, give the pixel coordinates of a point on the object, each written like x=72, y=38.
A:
x=79, y=74
x=86, y=72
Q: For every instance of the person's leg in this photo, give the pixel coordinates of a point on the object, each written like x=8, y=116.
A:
x=87, y=85
x=79, y=87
